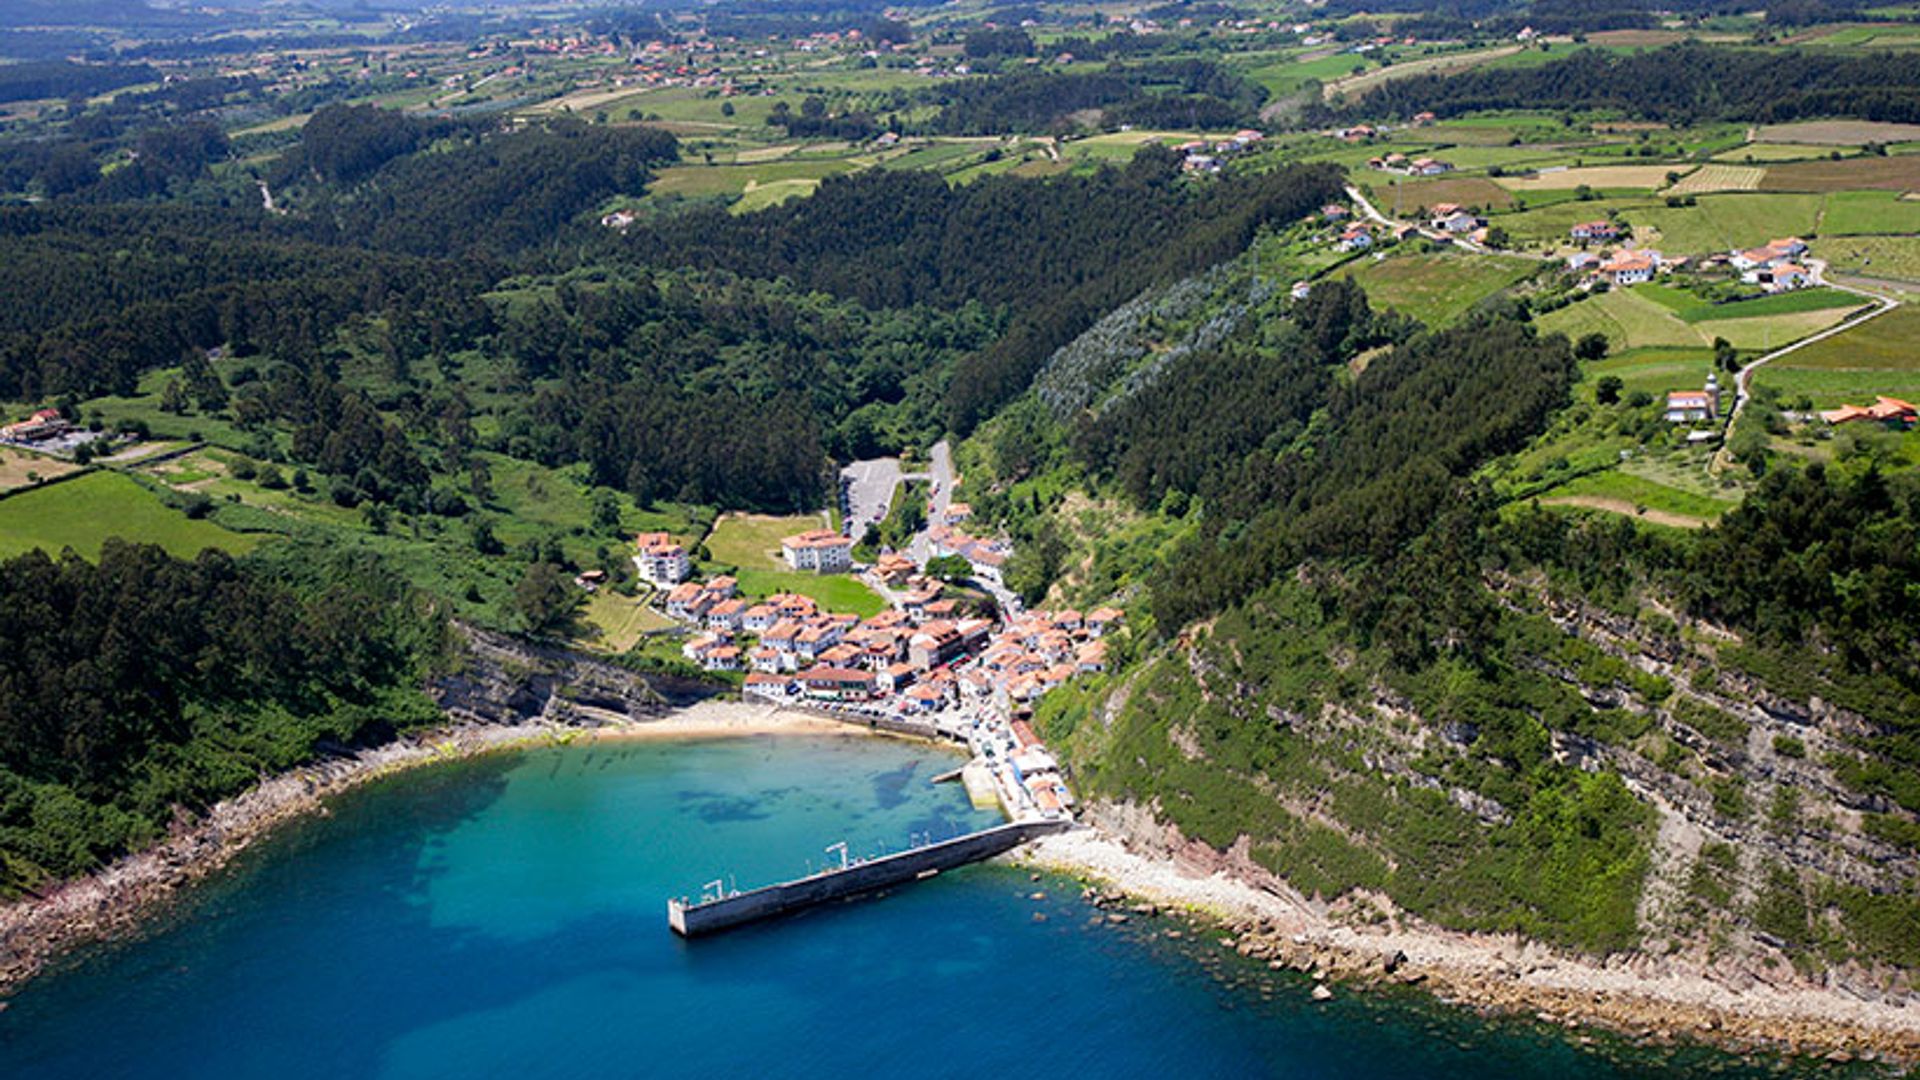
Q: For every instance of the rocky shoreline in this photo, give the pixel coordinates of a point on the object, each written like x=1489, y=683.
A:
x=1648, y=1001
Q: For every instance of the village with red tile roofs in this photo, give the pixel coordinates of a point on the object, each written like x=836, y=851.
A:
x=930, y=663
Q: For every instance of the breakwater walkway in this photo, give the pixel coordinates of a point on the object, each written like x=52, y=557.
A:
x=712, y=914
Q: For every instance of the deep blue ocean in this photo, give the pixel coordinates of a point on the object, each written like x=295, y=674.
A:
x=505, y=917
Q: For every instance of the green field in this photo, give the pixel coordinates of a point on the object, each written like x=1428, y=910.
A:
x=752, y=541
x=1885, y=343
x=1655, y=370
x=795, y=176
x=1728, y=222
x=1666, y=505
x=1549, y=224
x=1857, y=213
x=1635, y=319
x=1689, y=307
x=1877, y=357
x=1439, y=287
x=82, y=513
x=18, y=468
x=834, y=592
x=618, y=621
x=1762, y=153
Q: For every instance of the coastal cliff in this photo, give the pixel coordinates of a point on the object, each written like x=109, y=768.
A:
x=500, y=679
x=1697, y=856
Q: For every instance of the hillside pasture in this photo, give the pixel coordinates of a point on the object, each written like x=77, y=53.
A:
x=1869, y=213
x=1638, y=319
x=618, y=622
x=1437, y=287
x=1597, y=177
x=1448, y=64
x=1726, y=222
x=1654, y=370
x=84, y=512
x=1412, y=195
x=1710, y=178
x=1876, y=357
x=1549, y=224
x=698, y=180
x=1618, y=492
x=1896, y=173
x=1896, y=257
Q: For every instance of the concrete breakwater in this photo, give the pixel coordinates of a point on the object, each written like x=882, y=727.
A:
x=711, y=916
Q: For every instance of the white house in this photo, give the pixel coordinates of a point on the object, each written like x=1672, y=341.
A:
x=1628, y=268
x=660, y=560
x=820, y=550
x=1690, y=406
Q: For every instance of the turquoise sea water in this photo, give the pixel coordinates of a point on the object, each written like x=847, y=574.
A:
x=506, y=917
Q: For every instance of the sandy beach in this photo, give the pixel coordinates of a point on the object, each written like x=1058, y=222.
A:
x=1655, y=1000
x=117, y=898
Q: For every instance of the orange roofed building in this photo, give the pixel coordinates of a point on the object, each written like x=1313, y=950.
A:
x=1886, y=410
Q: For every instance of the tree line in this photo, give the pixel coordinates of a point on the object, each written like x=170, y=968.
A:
x=139, y=684
x=1684, y=83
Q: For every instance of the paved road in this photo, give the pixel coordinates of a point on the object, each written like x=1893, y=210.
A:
x=939, y=474
x=1743, y=381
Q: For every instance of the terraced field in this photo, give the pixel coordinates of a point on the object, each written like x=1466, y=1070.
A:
x=1711, y=178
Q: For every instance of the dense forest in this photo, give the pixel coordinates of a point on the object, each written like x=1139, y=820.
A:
x=1059, y=252
x=1166, y=93
x=1679, y=84
x=139, y=684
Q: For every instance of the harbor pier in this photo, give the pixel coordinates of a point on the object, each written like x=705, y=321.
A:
x=713, y=914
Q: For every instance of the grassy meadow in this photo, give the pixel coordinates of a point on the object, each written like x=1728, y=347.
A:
x=83, y=512
x=1437, y=287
